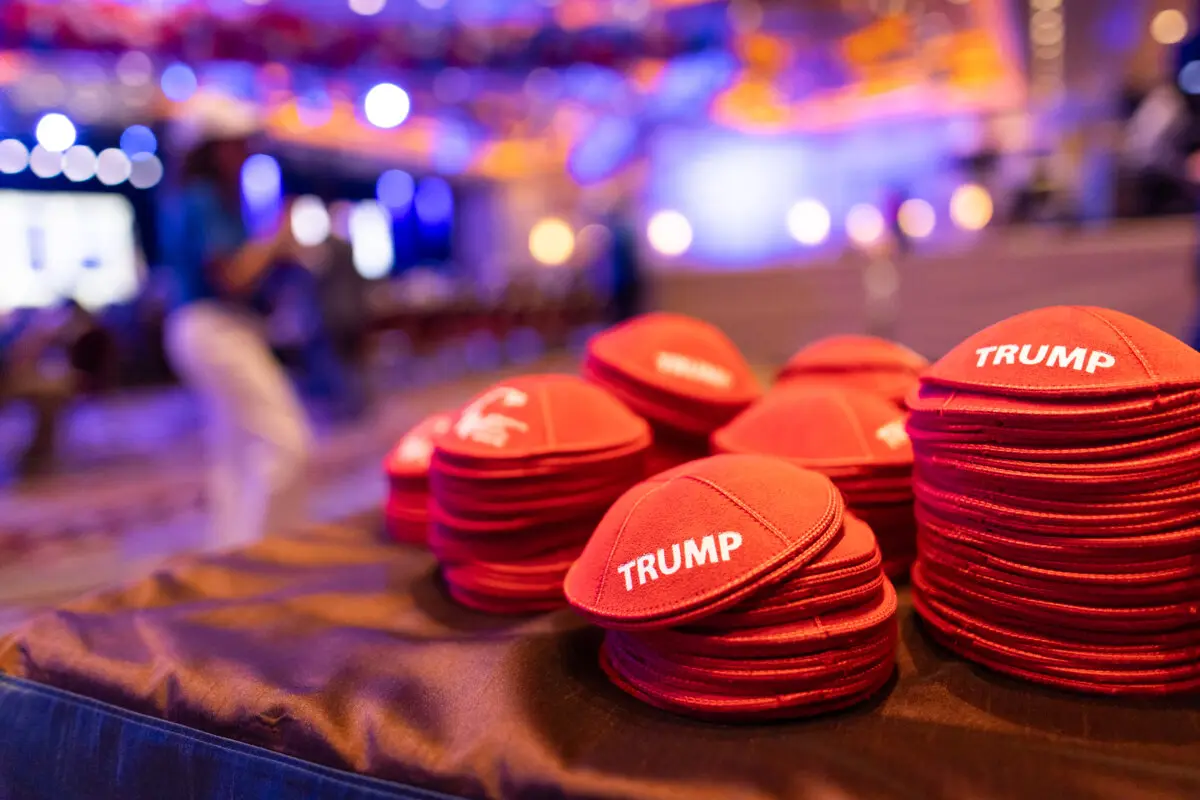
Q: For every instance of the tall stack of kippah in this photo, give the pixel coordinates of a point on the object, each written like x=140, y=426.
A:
x=682, y=375
x=519, y=482
x=736, y=587
x=1058, y=495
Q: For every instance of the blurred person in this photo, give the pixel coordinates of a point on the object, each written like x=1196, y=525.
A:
x=258, y=436
x=894, y=200
x=333, y=351
x=626, y=280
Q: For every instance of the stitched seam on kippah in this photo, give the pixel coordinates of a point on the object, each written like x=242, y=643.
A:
x=1150, y=373
x=742, y=505
x=856, y=422
x=612, y=552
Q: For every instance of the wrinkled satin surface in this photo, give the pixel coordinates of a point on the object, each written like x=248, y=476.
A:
x=342, y=649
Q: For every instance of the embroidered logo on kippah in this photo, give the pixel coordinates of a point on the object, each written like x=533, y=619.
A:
x=417, y=447
x=492, y=428
x=1079, y=358
x=693, y=369
x=693, y=555
x=893, y=434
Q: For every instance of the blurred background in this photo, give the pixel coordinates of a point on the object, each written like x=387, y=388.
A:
x=474, y=186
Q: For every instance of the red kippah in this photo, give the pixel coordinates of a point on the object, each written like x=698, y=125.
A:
x=678, y=355
x=410, y=456
x=536, y=415
x=853, y=352
x=694, y=536
x=1068, y=351
x=819, y=426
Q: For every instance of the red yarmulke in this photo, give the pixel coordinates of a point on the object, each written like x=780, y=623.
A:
x=1056, y=465
x=817, y=426
x=673, y=369
x=540, y=415
x=852, y=353
x=855, y=438
x=1068, y=351
x=697, y=538
x=518, y=483
x=410, y=457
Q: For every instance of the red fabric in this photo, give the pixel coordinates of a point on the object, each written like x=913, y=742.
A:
x=1143, y=357
x=518, y=482
x=797, y=619
x=865, y=363
x=1056, y=502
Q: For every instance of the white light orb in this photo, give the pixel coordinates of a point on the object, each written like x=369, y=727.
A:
x=55, y=132
x=971, y=207
x=79, y=163
x=310, y=221
x=864, y=224
x=669, y=233
x=916, y=218
x=808, y=222
x=386, y=105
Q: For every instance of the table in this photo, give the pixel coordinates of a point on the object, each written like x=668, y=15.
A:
x=302, y=661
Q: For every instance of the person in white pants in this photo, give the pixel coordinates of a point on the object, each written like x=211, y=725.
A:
x=257, y=435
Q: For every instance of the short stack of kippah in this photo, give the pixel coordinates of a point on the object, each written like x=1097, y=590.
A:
x=736, y=587
x=1058, y=497
x=519, y=482
x=854, y=438
x=682, y=375
x=407, y=467
x=867, y=363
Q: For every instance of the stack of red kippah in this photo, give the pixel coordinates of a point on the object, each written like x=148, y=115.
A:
x=519, y=482
x=855, y=439
x=861, y=362
x=1057, y=483
x=683, y=375
x=407, y=468
x=737, y=587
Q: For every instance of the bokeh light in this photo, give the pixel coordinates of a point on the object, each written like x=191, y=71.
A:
x=14, y=156
x=371, y=240
x=367, y=8
x=971, y=207
x=808, y=222
x=551, y=242
x=145, y=171
x=394, y=190
x=386, y=105
x=138, y=139
x=310, y=221
x=178, y=82
x=45, y=163
x=55, y=132
x=916, y=218
x=1169, y=26
x=134, y=68
x=262, y=180
x=113, y=167
x=1189, y=77
x=79, y=163
x=864, y=224
x=434, y=201
x=669, y=233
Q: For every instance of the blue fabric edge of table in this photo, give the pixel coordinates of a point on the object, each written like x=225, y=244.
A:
x=62, y=746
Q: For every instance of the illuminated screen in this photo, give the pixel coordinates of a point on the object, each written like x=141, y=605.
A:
x=60, y=245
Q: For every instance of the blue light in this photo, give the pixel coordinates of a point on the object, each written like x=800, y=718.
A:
x=434, y=201
x=178, y=82
x=604, y=149
x=262, y=181
x=138, y=139
x=453, y=151
x=1189, y=77
x=394, y=189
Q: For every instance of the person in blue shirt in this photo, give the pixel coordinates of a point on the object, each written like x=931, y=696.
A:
x=257, y=433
